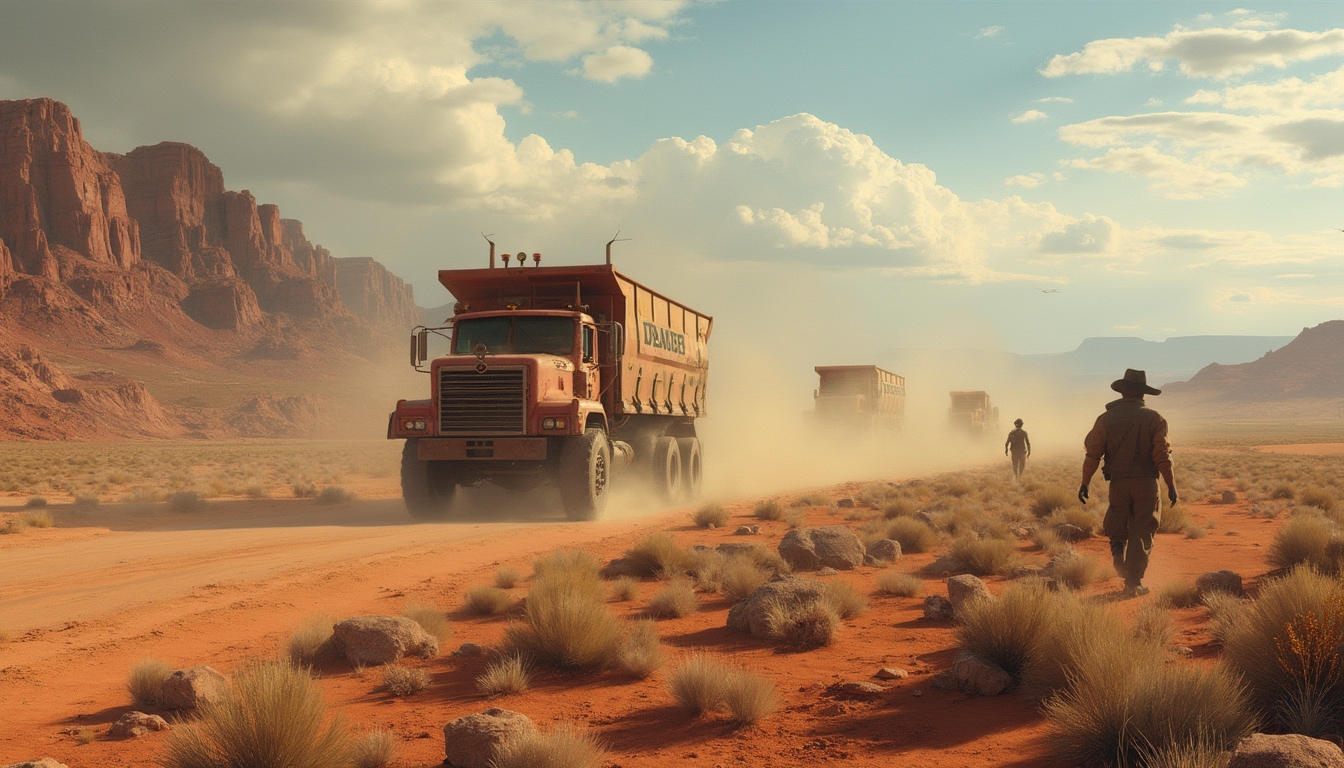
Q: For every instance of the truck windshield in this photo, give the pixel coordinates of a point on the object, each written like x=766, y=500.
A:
x=516, y=335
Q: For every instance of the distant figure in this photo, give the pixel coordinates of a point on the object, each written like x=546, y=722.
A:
x=1020, y=445
x=1132, y=438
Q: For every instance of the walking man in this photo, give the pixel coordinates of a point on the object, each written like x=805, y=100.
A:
x=1132, y=439
x=1021, y=448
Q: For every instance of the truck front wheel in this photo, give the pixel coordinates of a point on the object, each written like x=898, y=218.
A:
x=427, y=489
x=666, y=478
x=585, y=466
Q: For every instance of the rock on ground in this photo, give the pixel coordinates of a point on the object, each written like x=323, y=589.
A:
x=859, y=689
x=891, y=673
x=1218, y=581
x=1071, y=533
x=938, y=608
x=45, y=762
x=749, y=615
x=1058, y=561
x=1261, y=750
x=808, y=549
x=965, y=588
x=190, y=688
x=972, y=674
x=371, y=640
x=885, y=550
x=1229, y=497
x=471, y=741
x=133, y=725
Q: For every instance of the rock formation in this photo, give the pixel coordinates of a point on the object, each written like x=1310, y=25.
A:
x=373, y=293
x=1309, y=366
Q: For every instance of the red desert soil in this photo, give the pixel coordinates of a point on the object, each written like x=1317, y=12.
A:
x=85, y=600
x=1305, y=449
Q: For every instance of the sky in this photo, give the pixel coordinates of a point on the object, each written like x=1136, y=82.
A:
x=843, y=177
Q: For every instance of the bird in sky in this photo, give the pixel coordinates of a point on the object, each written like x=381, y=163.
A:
x=1049, y=290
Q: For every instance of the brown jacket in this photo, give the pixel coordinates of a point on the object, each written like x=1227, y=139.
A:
x=1132, y=438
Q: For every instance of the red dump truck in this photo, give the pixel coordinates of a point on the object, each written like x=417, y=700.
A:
x=860, y=397
x=567, y=375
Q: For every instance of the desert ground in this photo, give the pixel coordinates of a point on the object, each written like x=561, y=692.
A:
x=226, y=580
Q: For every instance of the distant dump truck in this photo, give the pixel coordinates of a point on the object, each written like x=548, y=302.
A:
x=860, y=396
x=972, y=413
x=559, y=375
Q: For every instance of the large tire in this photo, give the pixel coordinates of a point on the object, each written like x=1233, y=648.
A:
x=666, y=470
x=427, y=490
x=692, y=476
x=585, y=475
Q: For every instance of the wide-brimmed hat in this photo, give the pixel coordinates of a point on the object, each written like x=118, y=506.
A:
x=1018, y=422
x=1134, y=380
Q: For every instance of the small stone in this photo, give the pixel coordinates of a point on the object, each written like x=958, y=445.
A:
x=1261, y=750
x=891, y=673
x=1071, y=533
x=1218, y=581
x=938, y=608
x=745, y=530
x=44, y=762
x=1231, y=533
x=826, y=570
x=133, y=725
x=190, y=688
x=859, y=688
x=917, y=692
x=963, y=589
x=845, y=503
x=1184, y=651
x=972, y=674
x=468, y=650
x=1229, y=497
x=834, y=710
x=1022, y=532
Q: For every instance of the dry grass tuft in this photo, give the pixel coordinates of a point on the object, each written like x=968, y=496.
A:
x=402, y=682
x=507, y=578
x=625, y=588
x=35, y=502
x=675, y=600
x=303, y=490
x=14, y=525
x=740, y=577
x=1318, y=498
x=984, y=556
x=334, y=494
x=1178, y=594
x=769, y=509
x=1049, y=541
x=1049, y=501
x=658, y=555
x=186, y=501
x=1080, y=571
x=805, y=627
x=146, y=681
x=710, y=515
x=1154, y=625
x=1303, y=539
x=430, y=619
x=273, y=714
x=564, y=747
x=900, y=584
x=487, y=600
x=641, y=654
x=749, y=697
x=376, y=750
x=41, y=519
x=915, y=537
x=845, y=599
x=504, y=675
x=567, y=624
x=1004, y=631
x=1174, y=520
x=1283, y=492
x=306, y=643
x=697, y=683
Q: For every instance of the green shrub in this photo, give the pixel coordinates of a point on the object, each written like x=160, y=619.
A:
x=900, y=584
x=769, y=509
x=272, y=715
x=710, y=515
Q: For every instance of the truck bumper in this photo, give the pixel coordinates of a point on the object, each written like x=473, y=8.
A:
x=481, y=449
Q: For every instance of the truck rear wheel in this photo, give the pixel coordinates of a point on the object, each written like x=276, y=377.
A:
x=585, y=466
x=667, y=484
x=691, y=473
x=427, y=489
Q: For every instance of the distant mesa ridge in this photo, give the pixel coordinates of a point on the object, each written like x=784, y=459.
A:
x=69, y=213
x=1311, y=366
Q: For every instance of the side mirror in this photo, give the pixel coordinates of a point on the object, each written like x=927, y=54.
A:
x=419, y=347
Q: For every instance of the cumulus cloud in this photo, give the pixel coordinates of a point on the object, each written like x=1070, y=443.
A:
x=1091, y=234
x=1060, y=99
x=1027, y=180
x=617, y=62
x=989, y=31
x=1031, y=115
x=1216, y=52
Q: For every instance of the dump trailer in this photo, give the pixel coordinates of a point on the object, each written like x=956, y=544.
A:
x=862, y=397
x=573, y=376
x=972, y=413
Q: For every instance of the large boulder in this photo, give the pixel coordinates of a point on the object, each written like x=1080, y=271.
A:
x=965, y=588
x=885, y=550
x=1261, y=750
x=808, y=549
x=190, y=688
x=1218, y=581
x=750, y=615
x=471, y=741
x=972, y=674
x=372, y=640
x=133, y=725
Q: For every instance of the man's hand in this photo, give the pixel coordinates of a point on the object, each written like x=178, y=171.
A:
x=1082, y=494
x=1171, y=494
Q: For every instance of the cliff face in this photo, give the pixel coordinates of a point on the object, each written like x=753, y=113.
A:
x=373, y=293
x=1310, y=366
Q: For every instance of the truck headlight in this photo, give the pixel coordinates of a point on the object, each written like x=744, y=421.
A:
x=413, y=425
x=553, y=423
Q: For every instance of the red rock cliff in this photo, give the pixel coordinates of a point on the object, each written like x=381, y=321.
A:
x=56, y=190
x=373, y=293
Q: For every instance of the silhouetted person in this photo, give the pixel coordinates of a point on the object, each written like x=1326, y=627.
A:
x=1132, y=438
x=1020, y=445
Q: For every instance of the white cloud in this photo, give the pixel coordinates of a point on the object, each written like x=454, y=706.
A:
x=989, y=31
x=1176, y=178
x=1217, y=52
x=1029, y=181
x=617, y=62
x=1153, y=102
x=1091, y=234
x=1326, y=90
x=1031, y=115
x=1060, y=99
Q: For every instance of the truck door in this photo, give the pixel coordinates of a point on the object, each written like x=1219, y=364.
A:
x=587, y=382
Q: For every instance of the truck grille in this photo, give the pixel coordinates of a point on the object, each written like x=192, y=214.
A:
x=490, y=403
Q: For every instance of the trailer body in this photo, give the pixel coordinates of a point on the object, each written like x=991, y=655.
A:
x=972, y=412
x=862, y=397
